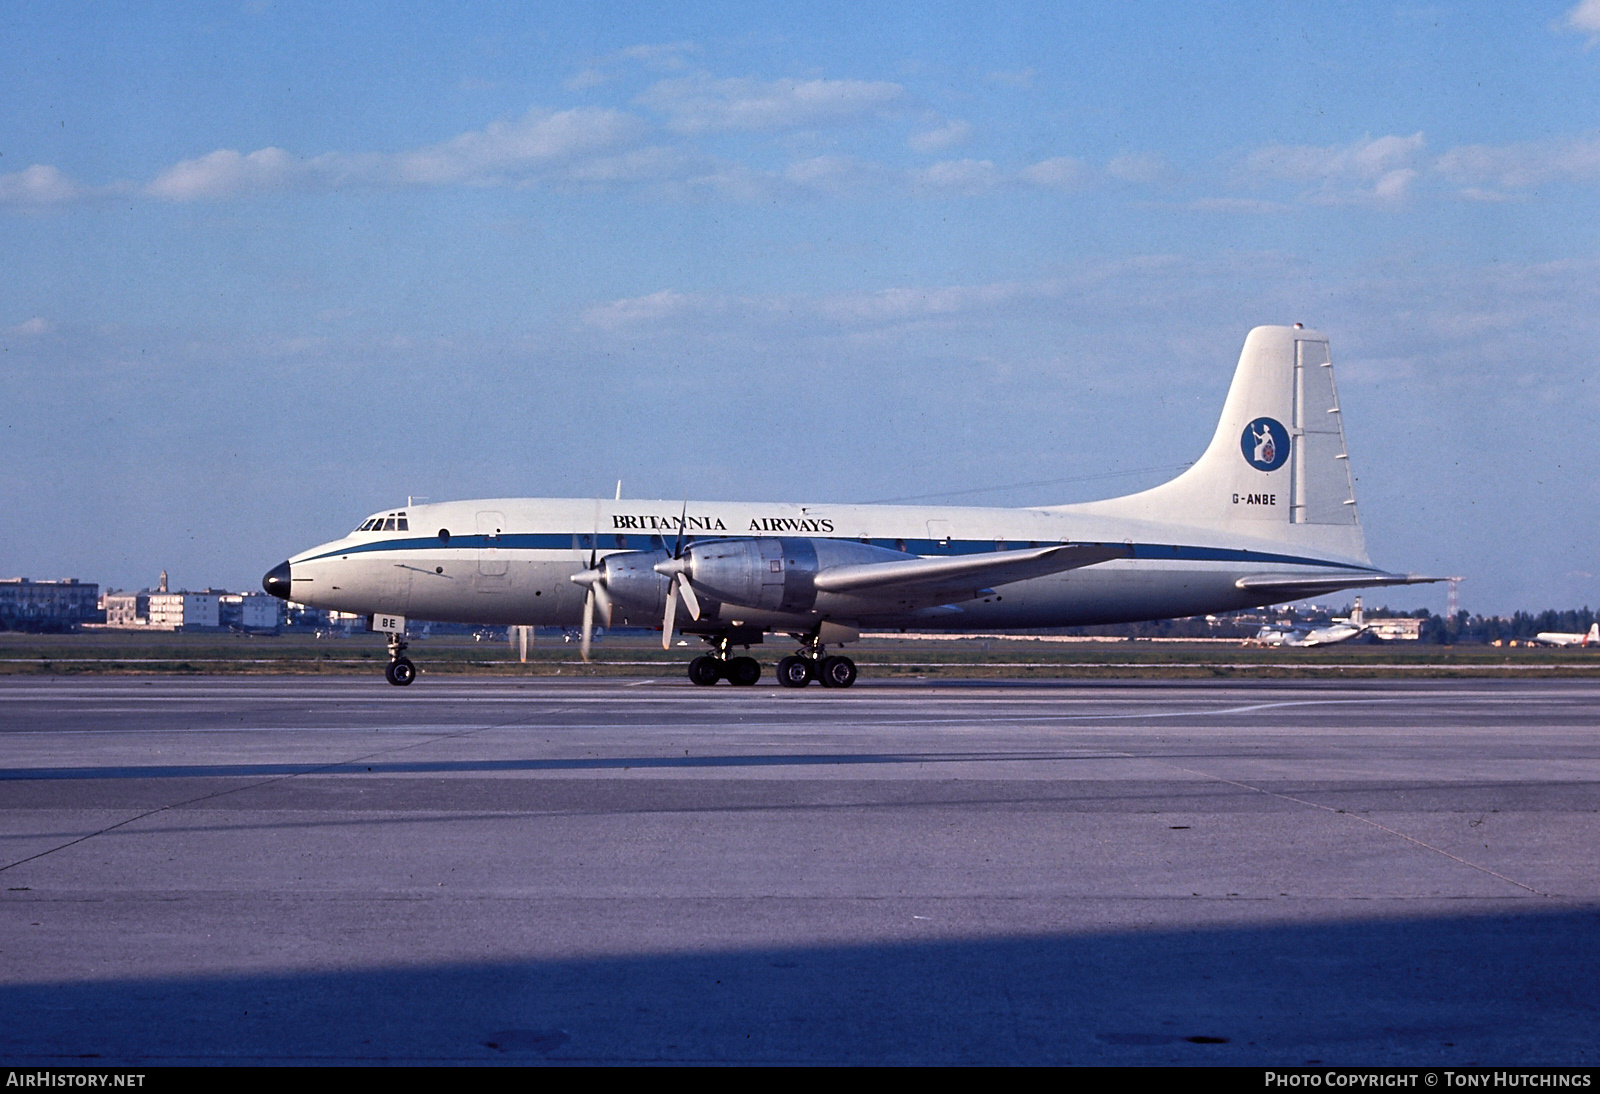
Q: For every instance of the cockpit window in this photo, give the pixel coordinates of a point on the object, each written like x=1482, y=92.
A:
x=384, y=523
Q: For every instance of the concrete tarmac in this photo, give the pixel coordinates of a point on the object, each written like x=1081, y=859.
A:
x=218, y=870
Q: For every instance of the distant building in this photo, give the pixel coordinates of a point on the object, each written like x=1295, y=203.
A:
x=47, y=605
x=249, y=611
x=163, y=610
x=126, y=609
x=178, y=611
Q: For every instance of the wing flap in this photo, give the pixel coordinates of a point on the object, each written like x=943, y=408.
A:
x=966, y=572
x=1295, y=586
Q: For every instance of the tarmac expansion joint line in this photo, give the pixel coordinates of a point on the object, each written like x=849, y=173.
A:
x=281, y=778
x=1364, y=820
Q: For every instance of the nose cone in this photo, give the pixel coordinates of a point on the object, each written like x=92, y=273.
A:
x=277, y=581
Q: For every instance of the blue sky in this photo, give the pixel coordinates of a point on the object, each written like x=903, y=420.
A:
x=273, y=266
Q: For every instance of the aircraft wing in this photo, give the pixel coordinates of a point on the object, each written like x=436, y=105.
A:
x=963, y=576
x=1299, y=586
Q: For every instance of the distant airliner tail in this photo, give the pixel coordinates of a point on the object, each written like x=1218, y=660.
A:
x=1277, y=466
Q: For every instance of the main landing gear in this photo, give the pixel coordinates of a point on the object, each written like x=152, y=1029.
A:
x=399, y=671
x=811, y=663
x=708, y=668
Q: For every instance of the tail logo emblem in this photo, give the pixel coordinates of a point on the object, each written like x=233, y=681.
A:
x=1265, y=443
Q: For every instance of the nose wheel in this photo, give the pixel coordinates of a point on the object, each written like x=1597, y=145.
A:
x=399, y=671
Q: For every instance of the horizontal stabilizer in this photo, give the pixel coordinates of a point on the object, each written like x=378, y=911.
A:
x=965, y=572
x=1281, y=587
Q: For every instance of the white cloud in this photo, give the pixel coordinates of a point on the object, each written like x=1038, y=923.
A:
x=1378, y=170
x=540, y=144
x=1585, y=18
x=1526, y=164
x=660, y=55
x=537, y=140
x=834, y=174
x=1365, y=160
x=1060, y=172
x=1237, y=205
x=847, y=311
x=37, y=185
x=226, y=173
x=656, y=308
x=951, y=133
x=964, y=176
x=32, y=328
x=584, y=79
x=1137, y=167
x=703, y=104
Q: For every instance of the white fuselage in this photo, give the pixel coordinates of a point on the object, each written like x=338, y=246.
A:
x=511, y=560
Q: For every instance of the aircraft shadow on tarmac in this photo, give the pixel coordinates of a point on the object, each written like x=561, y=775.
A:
x=587, y=763
x=1442, y=991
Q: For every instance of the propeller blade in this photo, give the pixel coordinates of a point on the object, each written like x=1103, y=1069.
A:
x=690, y=601
x=678, y=570
x=683, y=526
x=672, y=610
x=588, y=621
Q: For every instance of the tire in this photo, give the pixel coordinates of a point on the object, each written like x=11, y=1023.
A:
x=794, y=672
x=400, y=672
x=743, y=671
x=838, y=672
x=705, y=671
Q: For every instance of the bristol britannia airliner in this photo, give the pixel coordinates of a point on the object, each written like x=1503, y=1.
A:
x=1266, y=515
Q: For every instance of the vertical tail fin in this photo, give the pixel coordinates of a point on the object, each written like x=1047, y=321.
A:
x=1276, y=467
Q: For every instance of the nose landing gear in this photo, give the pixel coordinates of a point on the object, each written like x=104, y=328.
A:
x=399, y=671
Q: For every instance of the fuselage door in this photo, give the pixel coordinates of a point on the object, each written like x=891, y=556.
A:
x=491, y=556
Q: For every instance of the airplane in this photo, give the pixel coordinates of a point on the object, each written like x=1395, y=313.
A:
x=1266, y=515
x=1562, y=638
x=1340, y=630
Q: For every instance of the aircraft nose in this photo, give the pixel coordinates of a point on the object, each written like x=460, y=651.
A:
x=277, y=581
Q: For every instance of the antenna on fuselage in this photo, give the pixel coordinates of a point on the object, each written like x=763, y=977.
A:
x=619, y=490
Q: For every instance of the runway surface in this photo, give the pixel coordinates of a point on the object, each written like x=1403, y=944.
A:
x=494, y=871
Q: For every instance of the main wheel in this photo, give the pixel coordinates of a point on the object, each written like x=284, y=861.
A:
x=705, y=670
x=400, y=672
x=744, y=671
x=794, y=672
x=837, y=672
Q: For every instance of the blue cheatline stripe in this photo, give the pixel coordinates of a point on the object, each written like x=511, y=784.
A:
x=549, y=541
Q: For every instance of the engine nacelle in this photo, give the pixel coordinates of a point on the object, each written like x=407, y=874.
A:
x=637, y=594
x=773, y=573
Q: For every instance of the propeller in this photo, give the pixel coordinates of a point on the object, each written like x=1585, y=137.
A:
x=677, y=568
x=590, y=580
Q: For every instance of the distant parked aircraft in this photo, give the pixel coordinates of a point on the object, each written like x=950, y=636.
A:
x=1561, y=638
x=1340, y=630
